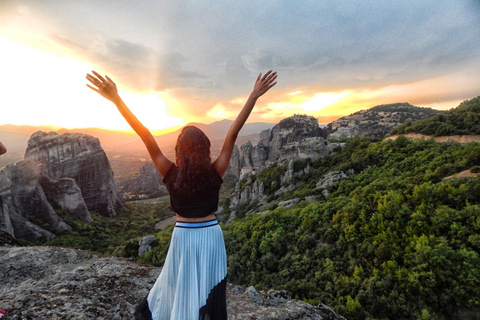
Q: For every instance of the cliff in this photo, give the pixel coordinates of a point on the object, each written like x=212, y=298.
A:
x=68, y=172
x=293, y=138
x=378, y=121
x=147, y=182
x=58, y=283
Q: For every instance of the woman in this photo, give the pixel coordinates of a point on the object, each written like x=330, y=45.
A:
x=192, y=283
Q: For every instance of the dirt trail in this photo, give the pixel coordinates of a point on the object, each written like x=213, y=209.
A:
x=462, y=139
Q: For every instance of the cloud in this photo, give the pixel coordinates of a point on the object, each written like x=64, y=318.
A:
x=220, y=45
x=212, y=51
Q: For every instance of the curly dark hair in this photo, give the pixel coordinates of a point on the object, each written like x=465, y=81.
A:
x=193, y=161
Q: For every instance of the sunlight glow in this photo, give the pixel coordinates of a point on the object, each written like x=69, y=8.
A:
x=322, y=100
x=300, y=104
x=42, y=88
x=151, y=110
x=295, y=93
x=219, y=112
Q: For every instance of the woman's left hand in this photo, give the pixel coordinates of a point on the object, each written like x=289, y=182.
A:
x=103, y=86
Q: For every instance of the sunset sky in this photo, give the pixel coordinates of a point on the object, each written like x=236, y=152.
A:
x=178, y=61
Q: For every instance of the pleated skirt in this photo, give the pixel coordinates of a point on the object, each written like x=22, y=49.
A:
x=192, y=283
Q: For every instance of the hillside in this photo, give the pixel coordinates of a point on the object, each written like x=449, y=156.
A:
x=462, y=120
x=372, y=230
x=376, y=122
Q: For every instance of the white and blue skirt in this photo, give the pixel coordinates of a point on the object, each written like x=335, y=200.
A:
x=192, y=283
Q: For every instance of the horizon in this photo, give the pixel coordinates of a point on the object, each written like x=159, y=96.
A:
x=333, y=59
x=177, y=128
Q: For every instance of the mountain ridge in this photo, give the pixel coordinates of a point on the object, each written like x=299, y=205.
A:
x=378, y=121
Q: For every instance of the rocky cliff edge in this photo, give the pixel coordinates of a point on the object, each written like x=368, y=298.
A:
x=58, y=283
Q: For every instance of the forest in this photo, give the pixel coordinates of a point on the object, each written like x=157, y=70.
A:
x=394, y=241
x=463, y=120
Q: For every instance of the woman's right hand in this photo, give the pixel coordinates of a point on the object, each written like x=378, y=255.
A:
x=103, y=86
x=263, y=84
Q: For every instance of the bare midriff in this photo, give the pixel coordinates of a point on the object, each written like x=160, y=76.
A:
x=211, y=216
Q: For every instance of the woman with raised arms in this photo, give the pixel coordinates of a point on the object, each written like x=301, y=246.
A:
x=192, y=283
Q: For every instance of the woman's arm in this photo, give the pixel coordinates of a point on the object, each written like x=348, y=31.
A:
x=107, y=89
x=262, y=85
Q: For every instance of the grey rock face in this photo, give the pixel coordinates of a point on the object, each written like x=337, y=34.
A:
x=59, y=283
x=23, y=228
x=273, y=305
x=66, y=194
x=378, y=121
x=313, y=148
x=345, y=132
x=23, y=199
x=147, y=181
x=330, y=178
x=69, y=172
x=291, y=129
x=81, y=158
x=293, y=138
x=145, y=245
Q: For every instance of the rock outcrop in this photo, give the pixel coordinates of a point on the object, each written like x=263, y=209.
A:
x=22, y=199
x=148, y=182
x=69, y=172
x=79, y=157
x=59, y=283
x=145, y=244
x=293, y=138
x=378, y=121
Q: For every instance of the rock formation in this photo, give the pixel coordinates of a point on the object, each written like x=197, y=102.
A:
x=68, y=172
x=147, y=182
x=59, y=283
x=330, y=178
x=294, y=138
x=378, y=121
x=22, y=199
x=79, y=157
x=145, y=244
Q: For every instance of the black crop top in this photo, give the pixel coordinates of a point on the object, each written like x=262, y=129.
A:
x=197, y=205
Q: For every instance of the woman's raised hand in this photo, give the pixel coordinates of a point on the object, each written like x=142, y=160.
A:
x=103, y=86
x=264, y=83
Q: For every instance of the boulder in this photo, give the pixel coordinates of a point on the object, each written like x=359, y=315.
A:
x=145, y=244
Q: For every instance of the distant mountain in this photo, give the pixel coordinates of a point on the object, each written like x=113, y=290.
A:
x=462, y=120
x=214, y=131
x=16, y=143
x=378, y=121
x=124, y=144
x=17, y=136
x=109, y=139
x=27, y=129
